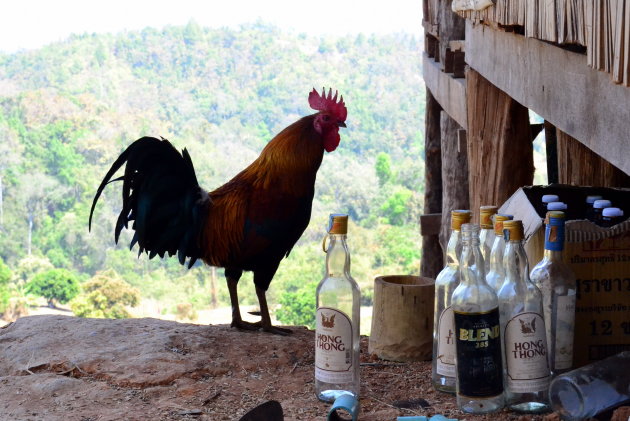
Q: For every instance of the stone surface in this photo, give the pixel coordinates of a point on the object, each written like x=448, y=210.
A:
x=65, y=368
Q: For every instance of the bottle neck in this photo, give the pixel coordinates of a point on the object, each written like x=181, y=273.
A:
x=337, y=256
x=471, y=264
x=515, y=263
x=496, y=254
x=554, y=240
x=454, y=248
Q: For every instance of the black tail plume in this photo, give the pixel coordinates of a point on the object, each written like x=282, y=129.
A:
x=162, y=197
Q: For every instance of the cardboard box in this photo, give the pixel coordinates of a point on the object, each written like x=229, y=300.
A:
x=599, y=257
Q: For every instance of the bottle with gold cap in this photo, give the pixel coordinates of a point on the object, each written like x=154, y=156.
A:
x=337, y=323
x=486, y=233
x=495, y=273
x=527, y=375
x=556, y=282
x=477, y=332
x=443, y=367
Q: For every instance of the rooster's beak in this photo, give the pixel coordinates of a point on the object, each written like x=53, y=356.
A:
x=341, y=124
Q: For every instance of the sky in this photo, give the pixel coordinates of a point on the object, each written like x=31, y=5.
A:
x=29, y=24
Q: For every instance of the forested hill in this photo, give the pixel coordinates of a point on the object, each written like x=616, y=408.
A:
x=68, y=109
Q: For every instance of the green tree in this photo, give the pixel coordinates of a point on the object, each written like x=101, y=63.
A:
x=298, y=307
x=5, y=294
x=55, y=285
x=106, y=295
x=383, y=168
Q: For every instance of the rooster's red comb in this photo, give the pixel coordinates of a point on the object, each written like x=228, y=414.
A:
x=328, y=103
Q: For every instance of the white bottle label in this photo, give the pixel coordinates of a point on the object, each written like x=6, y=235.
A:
x=333, y=346
x=527, y=366
x=446, y=343
x=565, y=324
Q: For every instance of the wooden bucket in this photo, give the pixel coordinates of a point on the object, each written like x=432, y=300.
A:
x=402, y=318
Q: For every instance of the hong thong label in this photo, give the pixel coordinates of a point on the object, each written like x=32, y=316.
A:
x=526, y=356
x=333, y=346
x=478, y=345
x=446, y=344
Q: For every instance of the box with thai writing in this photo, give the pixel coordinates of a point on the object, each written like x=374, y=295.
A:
x=599, y=258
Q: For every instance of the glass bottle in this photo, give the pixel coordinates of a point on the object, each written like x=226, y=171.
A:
x=598, y=207
x=477, y=333
x=590, y=199
x=486, y=233
x=443, y=364
x=337, y=323
x=611, y=217
x=544, y=201
x=496, y=274
x=526, y=368
x=556, y=282
x=587, y=391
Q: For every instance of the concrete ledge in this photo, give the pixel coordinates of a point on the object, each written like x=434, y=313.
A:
x=449, y=92
x=558, y=85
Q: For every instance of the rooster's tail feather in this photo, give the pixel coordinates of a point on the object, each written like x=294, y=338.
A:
x=162, y=197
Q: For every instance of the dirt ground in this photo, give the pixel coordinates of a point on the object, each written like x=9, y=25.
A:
x=66, y=368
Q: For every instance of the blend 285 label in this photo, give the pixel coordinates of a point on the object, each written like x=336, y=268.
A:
x=478, y=345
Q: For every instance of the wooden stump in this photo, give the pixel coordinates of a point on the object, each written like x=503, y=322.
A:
x=402, y=318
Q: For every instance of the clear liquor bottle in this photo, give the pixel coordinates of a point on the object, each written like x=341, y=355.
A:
x=337, y=323
x=486, y=233
x=526, y=368
x=477, y=333
x=443, y=364
x=496, y=274
x=556, y=282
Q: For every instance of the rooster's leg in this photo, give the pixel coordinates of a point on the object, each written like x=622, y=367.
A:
x=237, y=321
x=265, y=321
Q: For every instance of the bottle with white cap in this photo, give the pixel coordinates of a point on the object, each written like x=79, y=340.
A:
x=598, y=207
x=611, y=216
x=590, y=199
x=546, y=199
x=556, y=206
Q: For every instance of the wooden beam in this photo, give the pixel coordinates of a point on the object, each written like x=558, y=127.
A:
x=559, y=86
x=450, y=93
x=500, y=153
x=578, y=165
x=430, y=224
x=432, y=256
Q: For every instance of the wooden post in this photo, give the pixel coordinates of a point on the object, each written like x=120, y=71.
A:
x=431, y=262
x=452, y=27
x=454, y=173
x=551, y=148
x=578, y=165
x=500, y=152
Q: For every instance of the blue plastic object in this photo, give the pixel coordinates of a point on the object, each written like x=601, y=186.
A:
x=346, y=403
x=437, y=417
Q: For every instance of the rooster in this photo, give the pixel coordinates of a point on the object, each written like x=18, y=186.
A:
x=249, y=224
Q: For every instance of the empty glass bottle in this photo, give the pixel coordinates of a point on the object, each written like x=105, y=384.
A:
x=525, y=365
x=556, y=282
x=496, y=274
x=477, y=333
x=337, y=324
x=486, y=233
x=443, y=365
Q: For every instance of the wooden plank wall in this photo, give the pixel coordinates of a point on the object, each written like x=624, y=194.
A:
x=500, y=153
x=602, y=26
x=580, y=166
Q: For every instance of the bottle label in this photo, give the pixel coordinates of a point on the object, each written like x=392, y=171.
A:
x=527, y=366
x=565, y=322
x=446, y=344
x=554, y=235
x=478, y=344
x=333, y=346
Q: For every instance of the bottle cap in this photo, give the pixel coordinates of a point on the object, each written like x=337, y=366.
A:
x=592, y=198
x=612, y=212
x=550, y=198
x=499, y=218
x=601, y=204
x=513, y=230
x=338, y=223
x=485, y=216
x=556, y=206
x=459, y=217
